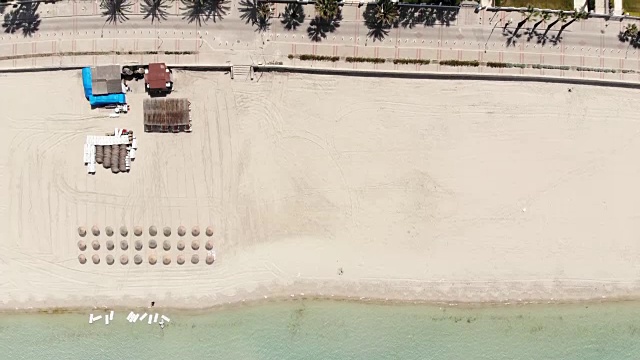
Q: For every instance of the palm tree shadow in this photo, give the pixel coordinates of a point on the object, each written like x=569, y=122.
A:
x=24, y=18
x=115, y=10
x=377, y=30
x=319, y=27
x=293, y=16
x=250, y=13
x=156, y=9
x=201, y=11
x=409, y=17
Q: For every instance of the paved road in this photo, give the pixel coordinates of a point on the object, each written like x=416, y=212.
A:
x=78, y=26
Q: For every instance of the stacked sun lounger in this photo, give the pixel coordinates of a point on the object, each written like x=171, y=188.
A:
x=115, y=151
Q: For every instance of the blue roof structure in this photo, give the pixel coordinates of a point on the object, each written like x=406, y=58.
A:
x=99, y=100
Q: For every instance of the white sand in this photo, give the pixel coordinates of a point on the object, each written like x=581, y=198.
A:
x=416, y=189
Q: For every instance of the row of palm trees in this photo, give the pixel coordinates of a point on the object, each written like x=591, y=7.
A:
x=542, y=17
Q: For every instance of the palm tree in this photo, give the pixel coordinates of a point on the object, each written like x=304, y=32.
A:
x=386, y=13
x=562, y=16
x=577, y=15
x=543, y=17
x=264, y=10
x=630, y=33
x=156, y=9
x=327, y=9
x=115, y=10
x=530, y=11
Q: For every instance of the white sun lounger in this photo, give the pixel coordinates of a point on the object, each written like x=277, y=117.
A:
x=130, y=316
x=106, y=320
x=111, y=315
x=90, y=318
x=143, y=316
x=155, y=318
x=96, y=318
x=134, y=318
x=150, y=320
x=165, y=318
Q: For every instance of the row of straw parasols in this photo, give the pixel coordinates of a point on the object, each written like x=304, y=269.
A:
x=138, y=245
x=112, y=156
x=137, y=231
x=137, y=259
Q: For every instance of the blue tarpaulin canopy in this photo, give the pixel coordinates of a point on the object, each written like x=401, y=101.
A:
x=99, y=100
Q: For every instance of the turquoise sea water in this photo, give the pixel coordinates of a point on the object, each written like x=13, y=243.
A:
x=311, y=329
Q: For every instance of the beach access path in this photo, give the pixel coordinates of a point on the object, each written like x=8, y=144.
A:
x=76, y=27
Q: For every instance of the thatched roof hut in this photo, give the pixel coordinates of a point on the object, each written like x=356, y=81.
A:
x=166, y=114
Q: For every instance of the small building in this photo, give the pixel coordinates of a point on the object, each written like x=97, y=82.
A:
x=167, y=115
x=158, y=79
x=106, y=80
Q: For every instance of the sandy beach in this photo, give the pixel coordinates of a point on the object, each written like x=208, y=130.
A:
x=381, y=188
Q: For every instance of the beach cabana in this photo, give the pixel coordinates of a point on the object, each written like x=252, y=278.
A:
x=99, y=100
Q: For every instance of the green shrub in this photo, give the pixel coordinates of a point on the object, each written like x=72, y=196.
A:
x=291, y=56
x=352, y=59
x=551, y=67
x=412, y=61
x=318, y=57
x=505, y=65
x=474, y=63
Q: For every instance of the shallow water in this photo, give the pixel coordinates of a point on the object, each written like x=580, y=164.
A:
x=306, y=329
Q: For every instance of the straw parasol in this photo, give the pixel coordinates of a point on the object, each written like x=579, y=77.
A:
x=153, y=231
x=110, y=245
x=137, y=259
x=82, y=245
x=181, y=230
x=180, y=259
x=124, y=245
x=109, y=259
x=95, y=230
x=195, y=231
x=138, y=245
x=209, y=245
x=95, y=244
x=195, y=258
x=124, y=231
x=82, y=259
x=82, y=231
x=180, y=245
x=137, y=230
x=152, y=244
x=166, y=260
x=195, y=244
x=166, y=231
x=209, y=259
x=96, y=259
x=166, y=245
x=152, y=259
x=209, y=231
x=108, y=231
x=124, y=259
